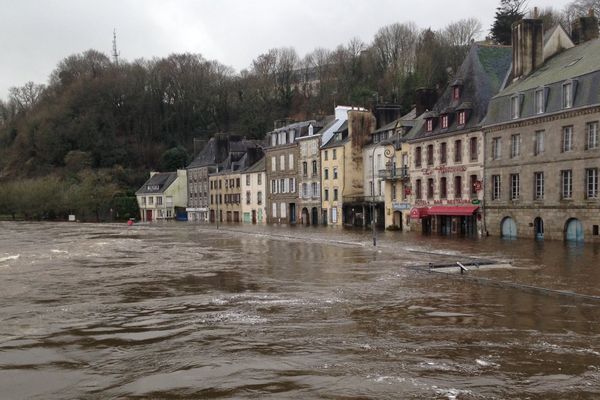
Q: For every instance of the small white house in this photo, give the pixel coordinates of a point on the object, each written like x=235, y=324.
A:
x=163, y=195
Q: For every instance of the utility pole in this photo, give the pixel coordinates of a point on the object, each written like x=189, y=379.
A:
x=115, y=53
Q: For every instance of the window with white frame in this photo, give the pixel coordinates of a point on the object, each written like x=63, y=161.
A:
x=248, y=180
x=291, y=161
x=462, y=117
x=334, y=154
x=281, y=162
x=538, y=179
x=514, y=186
x=273, y=187
x=567, y=95
x=335, y=173
x=444, y=119
x=591, y=183
x=515, y=107
x=273, y=163
x=293, y=185
x=566, y=184
x=567, y=139
x=591, y=141
x=539, y=101
x=274, y=210
x=496, y=187
x=496, y=148
x=151, y=200
x=282, y=187
x=515, y=145
x=314, y=189
x=282, y=210
x=538, y=143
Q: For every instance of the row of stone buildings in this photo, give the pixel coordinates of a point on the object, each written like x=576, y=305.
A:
x=509, y=148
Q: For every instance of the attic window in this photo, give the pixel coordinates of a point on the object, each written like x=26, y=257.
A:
x=456, y=92
x=515, y=106
x=445, y=121
x=568, y=93
x=540, y=100
x=462, y=117
x=429, y=124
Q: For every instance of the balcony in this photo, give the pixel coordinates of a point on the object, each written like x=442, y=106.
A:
x=394, y=173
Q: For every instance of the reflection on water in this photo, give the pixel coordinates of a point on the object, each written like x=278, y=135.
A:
x=183, y=311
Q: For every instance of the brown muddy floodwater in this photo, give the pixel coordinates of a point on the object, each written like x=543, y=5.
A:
x=181, y=311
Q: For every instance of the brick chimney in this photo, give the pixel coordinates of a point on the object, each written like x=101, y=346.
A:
x=585, y=28
x=527, y=46
x=424, y=100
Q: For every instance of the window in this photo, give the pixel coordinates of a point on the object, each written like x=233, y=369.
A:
x=282, y=210
x=273, y=163
x=458, y=187
x=430, y=154
x=443, y=153
x=444, y=121
x=144, y=200
x=305, y=190
x=274, y=210
x=335, y=194
x=292, y=182
x=540, y=105
x=304, y=168
x=326, y=173
x=418, y=193
x=567, y=92
x=515, y=107
x=418, y=157
x=538, y=143
x=335, y=174
x=259, y=178
x=237, y=182
x=496, y=187
x=248, y=180
x=248, y=197
x=326, y=195
x=567, y=139
x=473, y=148
x=591, y=141
x=456, y=92
x=282, y=187
x=514, y=186
x=566, y=179
x=334, y=154
x=462, y=117
x=430, y=188
x=372, y=188
x=457, y=151
x=429, y=125
x=443, y=187
x=538, y=178
x=259, y=198
x=273, y=188
x=591, y=183
x=159, y=200
x=314, y=167
x=393, y=191
x=291, y=161
x=515, y=146
x=496, y=148
x=151, y=200
x=281, y=162
x=474, y=185
x=325, y=155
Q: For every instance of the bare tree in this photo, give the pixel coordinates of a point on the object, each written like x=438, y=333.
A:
x=394, y=46
x=461, y=33
x=26, y=96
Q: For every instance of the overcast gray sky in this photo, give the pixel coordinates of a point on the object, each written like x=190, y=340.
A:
x=36, y=34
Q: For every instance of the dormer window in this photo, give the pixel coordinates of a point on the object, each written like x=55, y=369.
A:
x=515, y=106
x=444, y=119
x=568, y=94
x=462, y=117
x=456, y=93
x=540, y=100
x=429, y=125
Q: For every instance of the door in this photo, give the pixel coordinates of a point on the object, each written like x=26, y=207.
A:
x=148, y=215
x=292, y=213
x=574, y=230
x=538, y=224
x=324, y=216
x=254, y=216
x=509, y=228
x=315, y=216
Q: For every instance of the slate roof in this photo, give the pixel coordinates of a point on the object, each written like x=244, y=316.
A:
x=343, y=130
x=580, y=63
x=259, y=166
x=157, y=183
x=482, y=74
x=219, y=152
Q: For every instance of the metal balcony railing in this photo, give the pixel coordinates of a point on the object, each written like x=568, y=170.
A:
x=394, y=173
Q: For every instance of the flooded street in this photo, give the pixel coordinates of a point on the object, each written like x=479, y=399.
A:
x=183, y=311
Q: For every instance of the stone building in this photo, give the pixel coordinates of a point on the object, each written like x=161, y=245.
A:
x=541, y=136
x=309, y=178
x=281, y=163
x=446, y=171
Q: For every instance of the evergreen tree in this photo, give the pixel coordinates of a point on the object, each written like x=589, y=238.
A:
x=507, y=13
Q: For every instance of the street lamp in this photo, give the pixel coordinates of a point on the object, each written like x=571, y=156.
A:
x=389, y=154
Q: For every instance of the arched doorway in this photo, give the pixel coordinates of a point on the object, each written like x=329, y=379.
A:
x=305, y=217
x=509, y=228
x=314, y=216
x=574, y=230
x=538, y=226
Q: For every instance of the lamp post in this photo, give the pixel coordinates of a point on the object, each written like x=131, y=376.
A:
x=389, y=154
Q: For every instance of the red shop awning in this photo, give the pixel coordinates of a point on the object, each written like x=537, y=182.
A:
x=450, y=210
x=417, y=213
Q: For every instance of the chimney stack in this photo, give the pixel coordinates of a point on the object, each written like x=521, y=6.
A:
x=585, y=28
x=527, y=46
